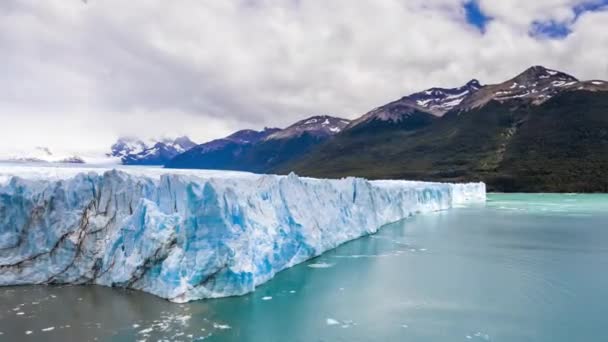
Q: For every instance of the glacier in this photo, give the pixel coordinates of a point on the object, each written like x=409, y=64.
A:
x=190, y=234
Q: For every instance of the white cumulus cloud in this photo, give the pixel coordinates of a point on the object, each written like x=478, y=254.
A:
x=76, y=75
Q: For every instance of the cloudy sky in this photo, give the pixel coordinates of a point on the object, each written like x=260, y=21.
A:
x=76, y=74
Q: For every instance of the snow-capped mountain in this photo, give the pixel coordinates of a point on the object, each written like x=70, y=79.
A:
x=229, y=153
x=40, y=154
x=540, y=131
x=133, y=151
x=442, y=100
x=126, y=146
x=259, y=151
x=418, y=109
x=535, y=85
x=242, y=137
x=319, y=126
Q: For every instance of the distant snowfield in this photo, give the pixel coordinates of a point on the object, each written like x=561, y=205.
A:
x=189, y=234
x=51, y=171
x=43, y=155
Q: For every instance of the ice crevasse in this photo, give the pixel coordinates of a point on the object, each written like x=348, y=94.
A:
x=187, y=235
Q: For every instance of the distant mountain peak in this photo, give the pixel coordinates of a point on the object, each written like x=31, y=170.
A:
x=538, y=73
x=250, y=136
x=434, y=101
x=132, y=150
x=40, y=154
x=474, y=83
x=44, y=150
x=184, y=141
x=318, y=125
x=259, y=151
x=441, y=100
x=534, y=85
x=242, y=138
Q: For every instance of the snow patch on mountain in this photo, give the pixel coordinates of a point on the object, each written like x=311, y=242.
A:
x=319, y=126
x=441, y=100
x=536, y=85
x=41, y=154
x=433, y=101
x=242, y=137
x=134, y=151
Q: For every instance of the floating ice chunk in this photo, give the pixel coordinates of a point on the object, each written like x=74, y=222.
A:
x=331, y=321
x=267, y=298
x=48, y=329
x=28, y=332
x=221, y=326
x=348, y=323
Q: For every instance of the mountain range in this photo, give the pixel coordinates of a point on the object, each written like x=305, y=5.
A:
x=134, y=151
x=542, y=130
x=40, y=154
x=261, y=151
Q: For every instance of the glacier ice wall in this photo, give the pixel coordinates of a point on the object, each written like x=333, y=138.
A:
x=186, y=236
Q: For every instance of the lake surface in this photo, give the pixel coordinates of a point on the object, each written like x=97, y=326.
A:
x=520, y=268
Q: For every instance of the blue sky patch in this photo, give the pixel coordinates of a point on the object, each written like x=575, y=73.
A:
x=557, y=30
x=475, y=16
x=550, y=29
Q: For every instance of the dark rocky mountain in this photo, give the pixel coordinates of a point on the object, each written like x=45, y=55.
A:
x=133, y=151
x=414, y=111
x=221, y=154
x=240, y=138
x=441, y=100
x=535, y=85
x=321, y=126
x=540, y=131
x=261, y=151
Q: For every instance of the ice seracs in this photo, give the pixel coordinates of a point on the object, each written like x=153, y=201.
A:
x=186, y=235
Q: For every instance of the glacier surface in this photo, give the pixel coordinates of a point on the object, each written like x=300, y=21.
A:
x=189, y=234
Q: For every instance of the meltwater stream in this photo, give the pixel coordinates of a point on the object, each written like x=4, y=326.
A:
x=520, y=268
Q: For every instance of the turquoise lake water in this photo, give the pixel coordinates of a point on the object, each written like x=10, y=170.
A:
x=520, y=268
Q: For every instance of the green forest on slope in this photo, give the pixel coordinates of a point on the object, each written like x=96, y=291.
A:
x=559, y=146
